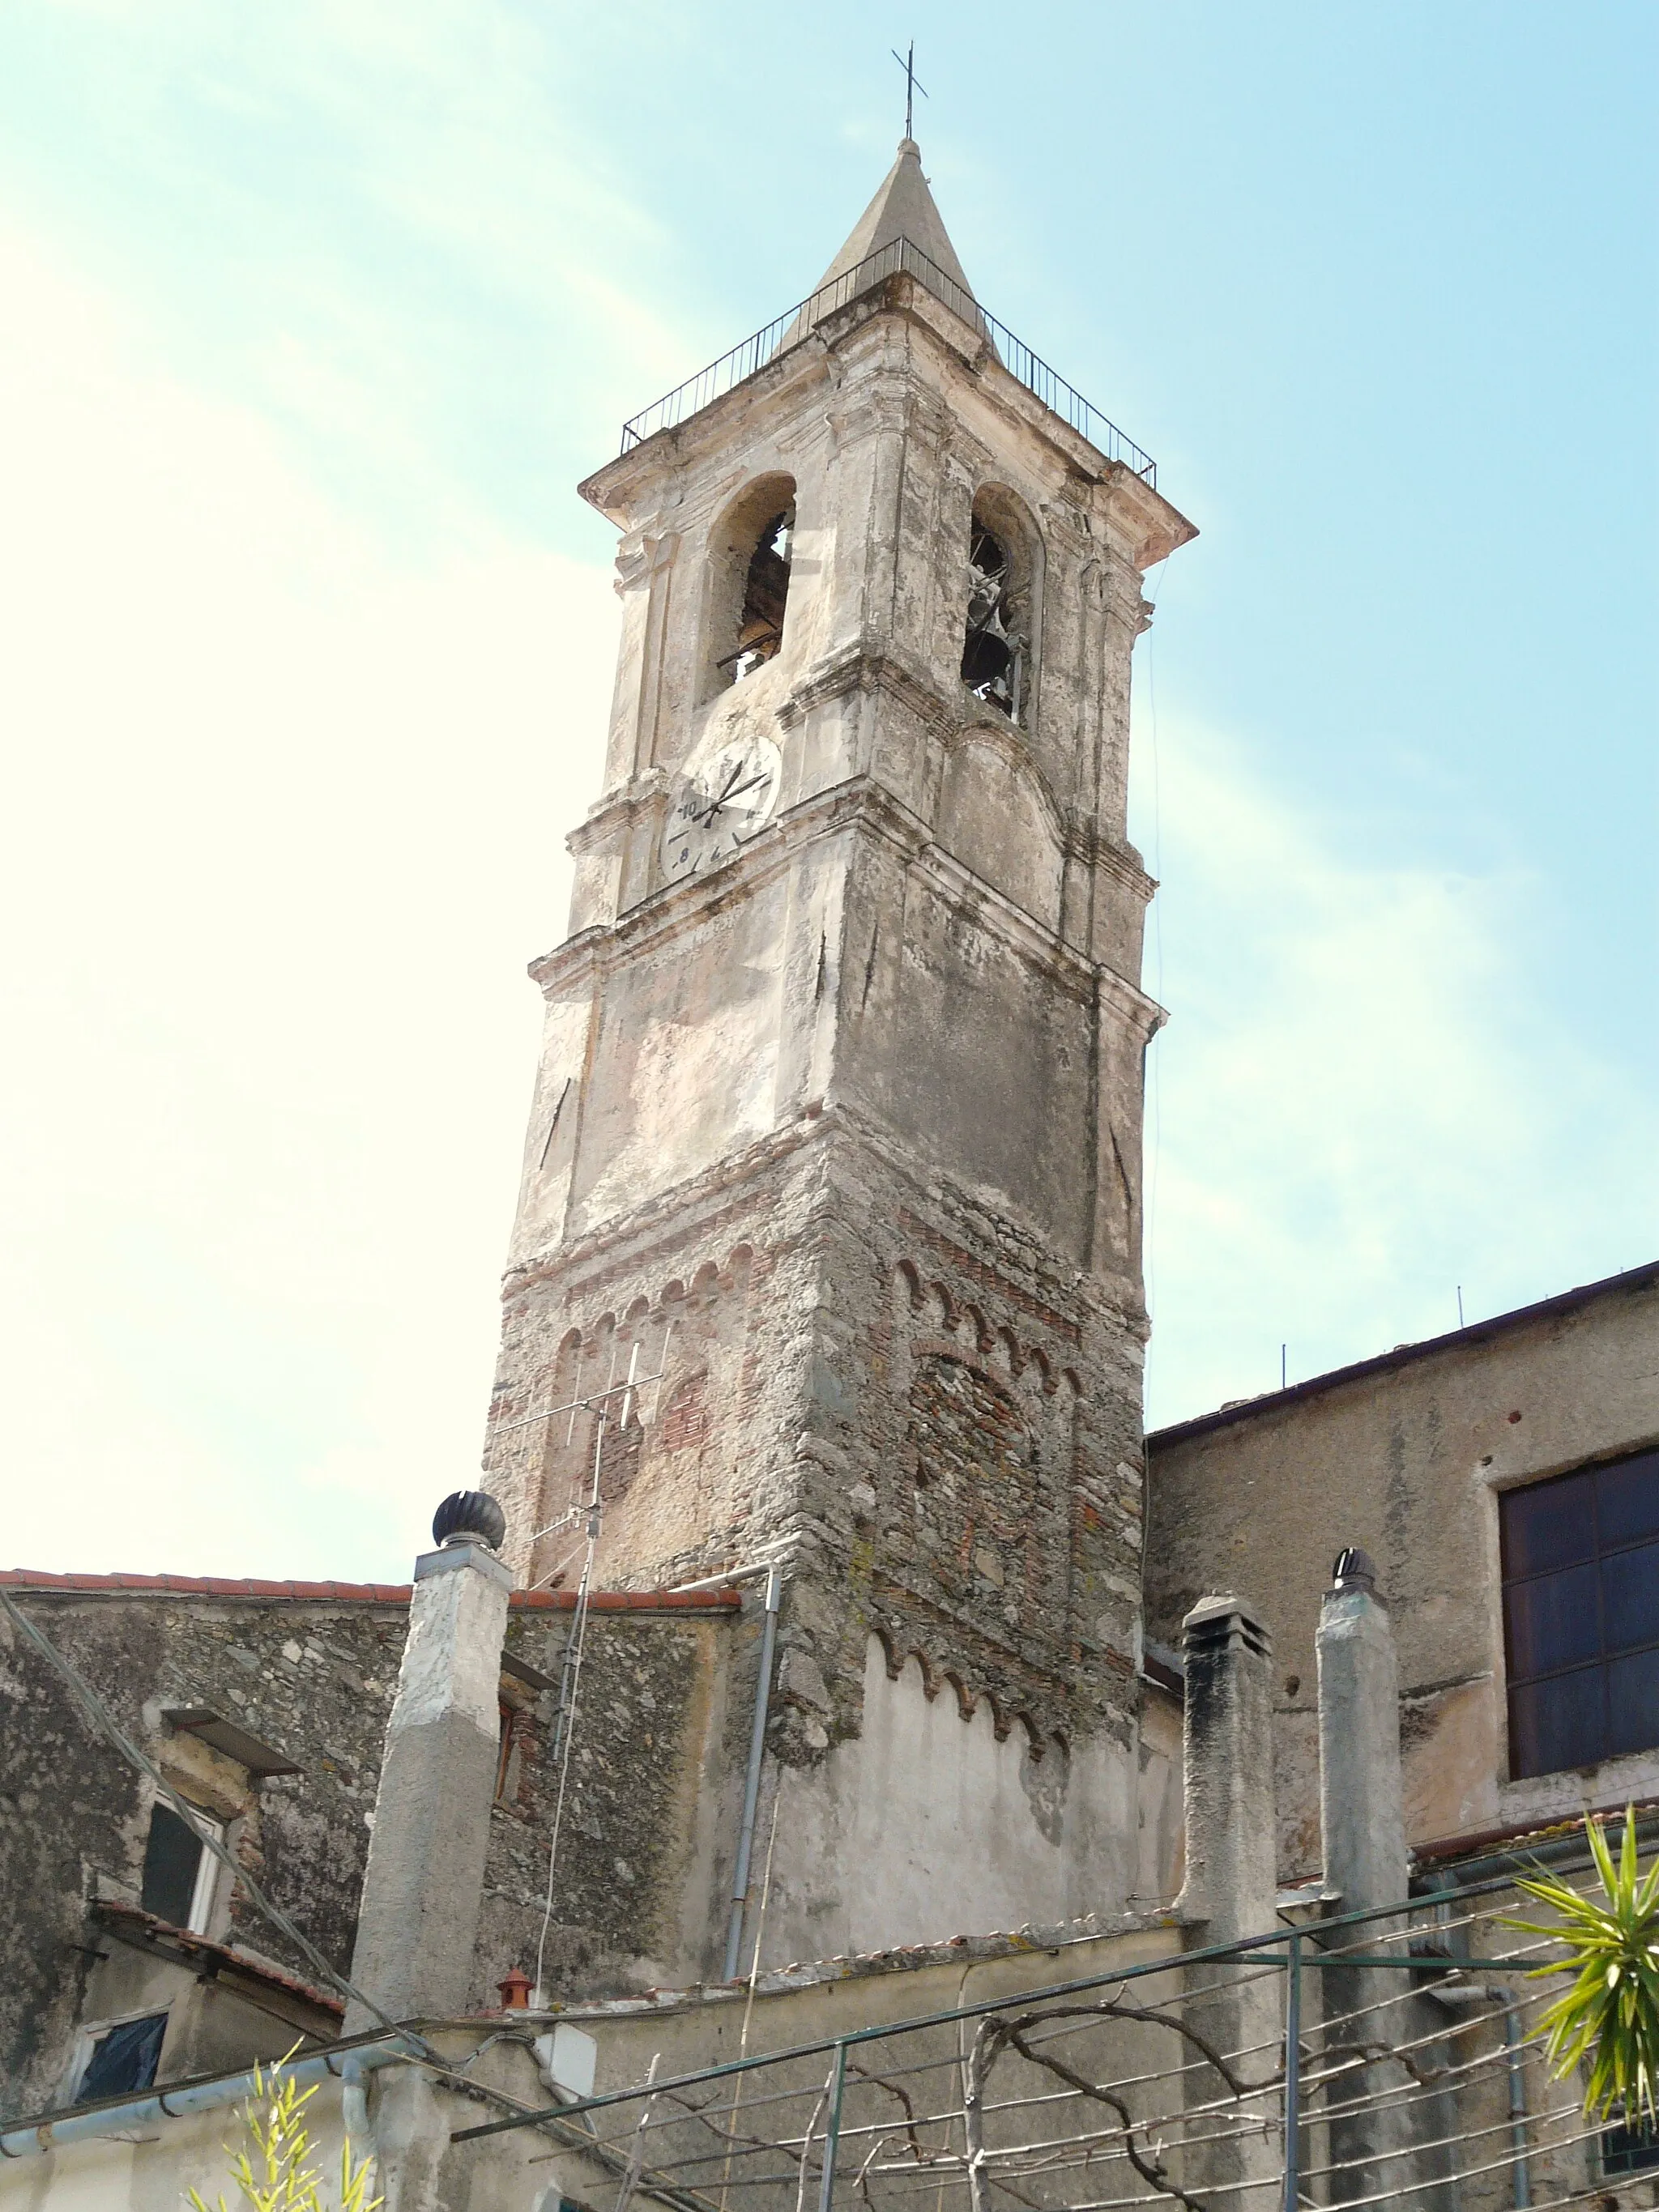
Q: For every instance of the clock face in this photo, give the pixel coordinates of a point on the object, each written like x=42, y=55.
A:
x=719, y=807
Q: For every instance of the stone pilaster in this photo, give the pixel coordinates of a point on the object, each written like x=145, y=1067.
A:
x=423, y=1882
x=1378, y=2112
x=1229, y=1894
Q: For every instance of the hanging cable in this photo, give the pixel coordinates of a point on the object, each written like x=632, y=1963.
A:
x=1148, y=1240
x=570, y=1675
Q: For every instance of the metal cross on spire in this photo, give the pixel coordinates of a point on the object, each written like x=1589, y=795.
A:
x=912, y=84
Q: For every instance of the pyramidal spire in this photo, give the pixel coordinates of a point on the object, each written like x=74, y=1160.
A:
x=903, y=207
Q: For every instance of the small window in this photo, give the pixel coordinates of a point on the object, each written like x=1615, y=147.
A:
x=123, y=2058
x=179, y=1879
x=1581, y=1616
x=996, y=648
x=1630, y=2150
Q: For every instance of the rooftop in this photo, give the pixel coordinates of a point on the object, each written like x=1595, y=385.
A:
x=1405, y=1355
x=901, y=233
x=900, y=256
x=41, y=1583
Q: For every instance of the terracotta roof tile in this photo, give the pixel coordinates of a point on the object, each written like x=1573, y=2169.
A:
x=39, y=1580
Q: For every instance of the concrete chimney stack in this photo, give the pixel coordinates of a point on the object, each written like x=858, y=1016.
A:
x=1380, y=2113
x=1231, y=1885
x=423, y=1884
x=1361, y=1796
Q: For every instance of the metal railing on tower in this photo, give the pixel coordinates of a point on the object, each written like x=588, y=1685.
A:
x=899, y=258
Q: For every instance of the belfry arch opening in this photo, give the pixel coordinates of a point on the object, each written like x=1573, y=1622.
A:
x=997, y=629
x=752, y=552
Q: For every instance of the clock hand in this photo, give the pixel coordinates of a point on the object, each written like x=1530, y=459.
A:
x=738, y=793
x=719, y=801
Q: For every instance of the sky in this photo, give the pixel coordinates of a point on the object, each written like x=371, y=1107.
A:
x=312, y=318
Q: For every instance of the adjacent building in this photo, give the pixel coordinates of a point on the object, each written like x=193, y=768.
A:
x=1505, y=1479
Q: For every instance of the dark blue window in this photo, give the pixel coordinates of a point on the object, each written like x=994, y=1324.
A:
x=1629, y=2150
x=124, y=2059
x=173, y=1859
x=1581, y=1616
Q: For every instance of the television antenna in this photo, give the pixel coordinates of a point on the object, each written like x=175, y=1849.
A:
x=613, y=1405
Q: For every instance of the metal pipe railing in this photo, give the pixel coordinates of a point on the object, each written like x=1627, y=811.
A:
x=899, y=258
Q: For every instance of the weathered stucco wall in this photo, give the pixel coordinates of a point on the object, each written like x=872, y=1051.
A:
x=937, y=1420
x=528, y=2172
x=836, y=1138
x=635, y=1902
x=929, y=1825
x=1408, y=1459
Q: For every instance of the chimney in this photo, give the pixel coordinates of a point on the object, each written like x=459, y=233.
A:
x=423, y=1884
x=1361, y=1798
x=1227, y=1741
x=1230, y=1887
x=1379, y=2114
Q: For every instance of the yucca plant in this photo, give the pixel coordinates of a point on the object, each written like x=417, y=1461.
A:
x=1609, y=2018
x=273, y=2171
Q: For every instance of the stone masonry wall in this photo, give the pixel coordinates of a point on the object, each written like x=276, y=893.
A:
x=1406, y=1456
x=935, y=1421
x=315, y=1678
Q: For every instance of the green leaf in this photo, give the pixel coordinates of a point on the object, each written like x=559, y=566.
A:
x=1609, y=2018
x=285, y=2181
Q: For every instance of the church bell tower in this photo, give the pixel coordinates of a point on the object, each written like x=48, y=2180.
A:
x=838, y=1122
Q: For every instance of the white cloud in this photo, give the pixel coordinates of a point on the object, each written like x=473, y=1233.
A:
x=400, y=233
x=1362, y=1101
x=285, y=819
x=286, y=810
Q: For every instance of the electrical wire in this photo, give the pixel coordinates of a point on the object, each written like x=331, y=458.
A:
x=569, y=1692
x=1148, y=1240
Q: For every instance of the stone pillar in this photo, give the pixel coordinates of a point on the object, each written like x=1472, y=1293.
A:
x=423, y=1884
x=1361, y=1798
x=1229, y=1896
x=1362, y=1815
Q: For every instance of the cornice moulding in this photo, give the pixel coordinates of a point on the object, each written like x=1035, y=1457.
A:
x=860, y=803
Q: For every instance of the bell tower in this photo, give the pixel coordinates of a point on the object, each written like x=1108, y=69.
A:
x=838, y=1118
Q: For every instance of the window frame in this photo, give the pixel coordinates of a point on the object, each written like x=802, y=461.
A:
x=204, y=1884
x=1506, y=1499
x=1623, y=2151
x=89, y=2037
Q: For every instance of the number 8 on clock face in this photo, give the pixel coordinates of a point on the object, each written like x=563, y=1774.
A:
x=722, y=802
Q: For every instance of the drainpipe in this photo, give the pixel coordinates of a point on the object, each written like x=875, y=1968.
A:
x=752, y=1780
x=353, y=2098
x=1573, y=1850
x=1495, y=1993
x=206, y=2097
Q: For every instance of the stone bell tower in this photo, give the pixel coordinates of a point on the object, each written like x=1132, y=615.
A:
x=838, y=1122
